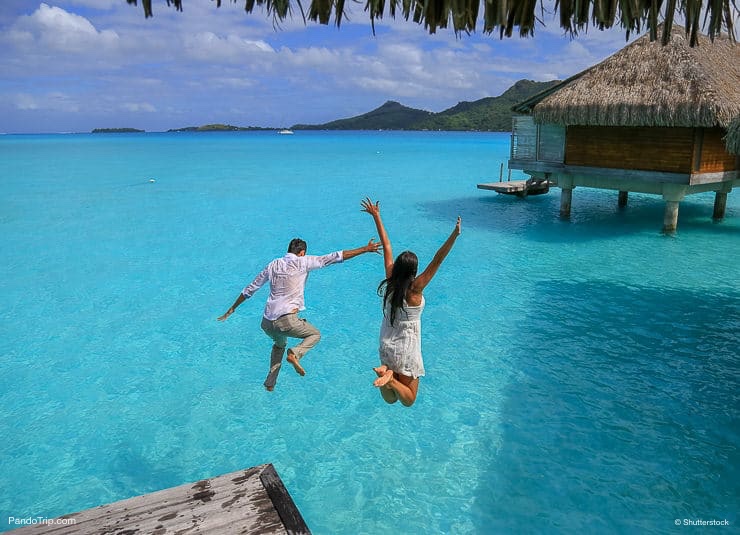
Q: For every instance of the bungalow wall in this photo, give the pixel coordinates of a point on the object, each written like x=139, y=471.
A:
x=644, y=148
x=666, y=149
x=710, y=153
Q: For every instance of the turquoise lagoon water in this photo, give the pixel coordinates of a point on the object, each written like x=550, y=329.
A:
x=582, y=375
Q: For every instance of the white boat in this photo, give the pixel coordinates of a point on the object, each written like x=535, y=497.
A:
x=285, y=131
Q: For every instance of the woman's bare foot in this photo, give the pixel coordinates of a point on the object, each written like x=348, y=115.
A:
x=383, y=379
x=294, y=361
x=380, y=370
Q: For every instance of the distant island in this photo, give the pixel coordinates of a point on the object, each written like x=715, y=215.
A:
x=115, y=130
x=218, y=128
x=490, y=114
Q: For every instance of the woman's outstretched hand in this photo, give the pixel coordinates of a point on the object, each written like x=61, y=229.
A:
x=370, y=208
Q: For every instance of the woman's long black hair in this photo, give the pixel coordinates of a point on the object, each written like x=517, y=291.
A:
x=394, y=288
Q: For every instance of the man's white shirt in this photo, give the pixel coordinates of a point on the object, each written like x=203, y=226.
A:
x=287, y=277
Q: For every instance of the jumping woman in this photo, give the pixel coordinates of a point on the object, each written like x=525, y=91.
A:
x=401, y=363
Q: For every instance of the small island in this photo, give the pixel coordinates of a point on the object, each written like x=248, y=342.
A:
x=218, y=128
x=116, y=130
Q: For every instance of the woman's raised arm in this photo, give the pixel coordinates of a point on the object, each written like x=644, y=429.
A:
x=425, y=278
x=374, y=210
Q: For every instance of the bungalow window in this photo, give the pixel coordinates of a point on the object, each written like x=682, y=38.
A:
x=530, y=141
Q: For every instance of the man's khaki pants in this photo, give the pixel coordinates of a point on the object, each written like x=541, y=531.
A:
x=288, y=326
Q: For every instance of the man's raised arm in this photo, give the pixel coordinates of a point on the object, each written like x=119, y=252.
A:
x=371, y=247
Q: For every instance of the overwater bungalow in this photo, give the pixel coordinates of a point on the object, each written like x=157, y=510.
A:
x=652, y=118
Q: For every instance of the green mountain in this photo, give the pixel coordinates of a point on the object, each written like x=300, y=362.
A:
x=486, y=114
x=389, y=116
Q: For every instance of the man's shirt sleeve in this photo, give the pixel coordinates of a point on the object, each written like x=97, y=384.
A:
x=257, y=283
x=317, y=262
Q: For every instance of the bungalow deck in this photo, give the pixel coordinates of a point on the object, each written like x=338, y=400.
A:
x=520, y=188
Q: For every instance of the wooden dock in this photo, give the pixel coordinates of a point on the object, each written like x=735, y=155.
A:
x=520, y=188
x=248, y=501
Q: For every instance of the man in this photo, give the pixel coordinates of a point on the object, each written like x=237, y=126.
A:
x=287, y=277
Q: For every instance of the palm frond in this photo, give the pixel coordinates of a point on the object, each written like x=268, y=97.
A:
x=506, y=16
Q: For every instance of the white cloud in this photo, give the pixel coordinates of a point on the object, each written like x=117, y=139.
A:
x=53, y=101
x=313, y=57
x=232, y=82
x=18, y=38
x=25, y=102
x=392, y=88
x=402, y=53
x=434, y=77
x=135, y=107
x=209, y=47
x=59, y=30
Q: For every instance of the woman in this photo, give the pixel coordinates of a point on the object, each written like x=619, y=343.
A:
x=403, y=302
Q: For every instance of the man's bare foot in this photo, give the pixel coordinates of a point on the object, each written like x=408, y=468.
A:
x=294, y=361
x=269, y=388
x=384, y=379
x=380, y=370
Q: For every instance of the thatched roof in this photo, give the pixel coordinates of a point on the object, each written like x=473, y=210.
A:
x=506, y=16
x=646, y=84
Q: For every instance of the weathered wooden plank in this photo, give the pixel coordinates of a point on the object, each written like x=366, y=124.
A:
x=283, y=503
x=238, y=502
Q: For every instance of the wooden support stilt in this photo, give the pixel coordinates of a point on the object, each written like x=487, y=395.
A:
x=720, y=204
x=565, y=201
x=672, y=195
x=622, y=202
x=670, y=217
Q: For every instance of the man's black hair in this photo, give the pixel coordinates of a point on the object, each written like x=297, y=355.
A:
x=296, y=246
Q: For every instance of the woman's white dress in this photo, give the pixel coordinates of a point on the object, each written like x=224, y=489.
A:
x=400, y=343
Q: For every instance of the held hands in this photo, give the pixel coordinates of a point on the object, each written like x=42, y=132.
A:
x=370, y=208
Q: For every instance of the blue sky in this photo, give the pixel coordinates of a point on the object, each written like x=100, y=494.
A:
x=75, y=65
